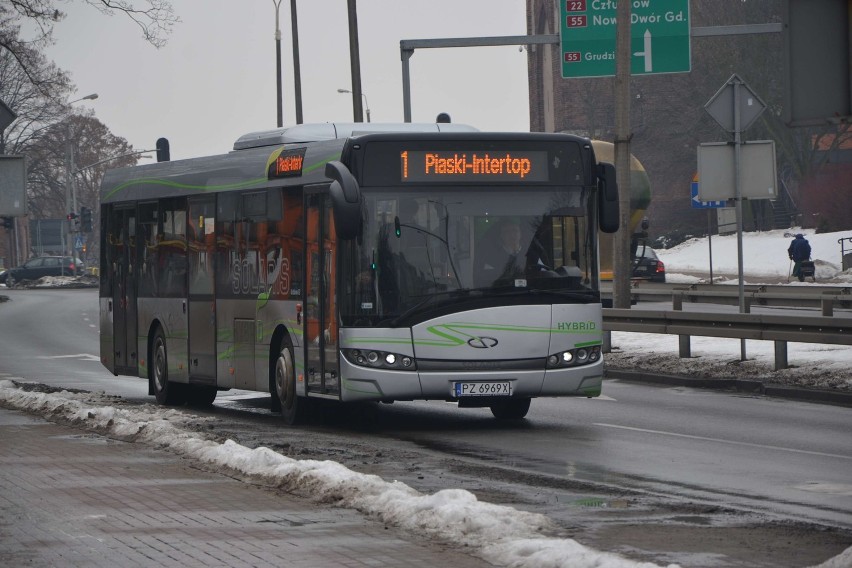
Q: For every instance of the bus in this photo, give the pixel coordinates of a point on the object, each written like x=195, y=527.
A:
x=360, y=262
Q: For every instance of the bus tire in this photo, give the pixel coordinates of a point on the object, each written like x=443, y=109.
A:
x=165, y=391
x=292, y=408
x=200, y=396
x=512, y=409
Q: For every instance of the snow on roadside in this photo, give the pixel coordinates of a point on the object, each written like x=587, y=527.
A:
x=764, y=255
x=451, y=515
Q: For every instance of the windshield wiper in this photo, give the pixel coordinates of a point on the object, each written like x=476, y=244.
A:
x=398, y=227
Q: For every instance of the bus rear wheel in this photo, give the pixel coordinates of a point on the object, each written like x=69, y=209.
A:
x=166, y=392
x=293, y=409
x=512, y=409
x=201, y=396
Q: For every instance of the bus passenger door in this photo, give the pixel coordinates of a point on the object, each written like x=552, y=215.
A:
x=123, y=273
x=202, y=306
x=320, y=331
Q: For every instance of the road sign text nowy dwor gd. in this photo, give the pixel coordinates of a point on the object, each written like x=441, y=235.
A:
x=659, y=37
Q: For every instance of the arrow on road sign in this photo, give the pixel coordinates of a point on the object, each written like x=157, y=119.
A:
x=698, y=204
x=649, y=67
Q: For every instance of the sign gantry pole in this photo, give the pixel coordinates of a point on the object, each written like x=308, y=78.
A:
x=738, y=192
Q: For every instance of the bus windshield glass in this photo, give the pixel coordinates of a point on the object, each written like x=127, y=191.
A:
x=432, y=248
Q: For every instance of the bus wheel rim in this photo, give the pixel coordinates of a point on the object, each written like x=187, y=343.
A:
x=284, y=379
x=159, y=366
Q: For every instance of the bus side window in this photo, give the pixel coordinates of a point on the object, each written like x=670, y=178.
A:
x=171, y=251
x=147, y=250
x=226, y=243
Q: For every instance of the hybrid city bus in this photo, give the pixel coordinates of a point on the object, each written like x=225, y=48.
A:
x=360, y=262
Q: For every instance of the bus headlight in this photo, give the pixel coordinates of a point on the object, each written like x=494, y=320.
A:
x=379, y=359
x=574, y=357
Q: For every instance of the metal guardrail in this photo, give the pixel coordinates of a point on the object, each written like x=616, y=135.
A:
x=768, y=327
x=825, y=297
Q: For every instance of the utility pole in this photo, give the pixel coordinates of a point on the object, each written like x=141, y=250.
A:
x=69, y=175
x=297, y=73
x=621, y=261
x=355, y=62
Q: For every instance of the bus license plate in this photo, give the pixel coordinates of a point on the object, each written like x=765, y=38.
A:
x=491, y=388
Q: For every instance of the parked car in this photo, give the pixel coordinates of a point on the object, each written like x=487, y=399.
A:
x=647, y=266
x=40, y=266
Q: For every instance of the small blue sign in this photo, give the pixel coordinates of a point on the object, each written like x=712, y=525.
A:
x=78, y=244
x=698, y=204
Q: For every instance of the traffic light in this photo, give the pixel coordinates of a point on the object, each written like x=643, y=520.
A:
x=85, y=219
x=72, y=221
x=163, y=150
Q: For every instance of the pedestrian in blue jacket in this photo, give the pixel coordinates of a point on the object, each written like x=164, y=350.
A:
x=799, y=250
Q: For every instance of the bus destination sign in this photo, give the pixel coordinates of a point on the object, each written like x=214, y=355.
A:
x=287, y=163
x=454, y=166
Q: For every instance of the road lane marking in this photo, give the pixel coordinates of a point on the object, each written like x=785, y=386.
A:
x=842, y=489
x=80, y=356
x=721, y=441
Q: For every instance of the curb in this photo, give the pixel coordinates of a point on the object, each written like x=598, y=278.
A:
x=742, y=385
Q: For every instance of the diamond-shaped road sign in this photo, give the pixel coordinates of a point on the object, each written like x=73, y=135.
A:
x=721, y=105
x=7, y=116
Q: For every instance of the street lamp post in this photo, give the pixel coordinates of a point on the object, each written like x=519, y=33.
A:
x=366, y=104
x=70, y=190
x=111, y=158
x=277, y=4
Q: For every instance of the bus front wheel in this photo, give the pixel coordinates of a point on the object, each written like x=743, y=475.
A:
x=512, y=409
x=166, y=392
x=293, y=409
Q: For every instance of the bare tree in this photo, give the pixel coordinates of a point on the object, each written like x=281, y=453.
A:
x=34, y=103
x=155, y=19
x=96, y=149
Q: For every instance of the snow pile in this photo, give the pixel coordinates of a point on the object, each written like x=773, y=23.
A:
x=764, y=256
x=812, y=365
x=450, y=515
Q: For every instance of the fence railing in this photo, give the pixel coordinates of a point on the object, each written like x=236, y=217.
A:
x=780, y=329
x=827, y=298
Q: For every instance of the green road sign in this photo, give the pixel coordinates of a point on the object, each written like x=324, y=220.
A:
x=659, y=37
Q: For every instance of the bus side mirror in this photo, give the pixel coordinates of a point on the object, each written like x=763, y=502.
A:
x=608, y=214
x=345, y=200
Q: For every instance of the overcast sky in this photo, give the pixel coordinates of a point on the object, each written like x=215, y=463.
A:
x=215, y=79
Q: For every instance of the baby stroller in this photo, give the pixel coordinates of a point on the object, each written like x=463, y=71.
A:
x=807, y=270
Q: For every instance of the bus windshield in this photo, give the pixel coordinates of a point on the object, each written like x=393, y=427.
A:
x=444, y=247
